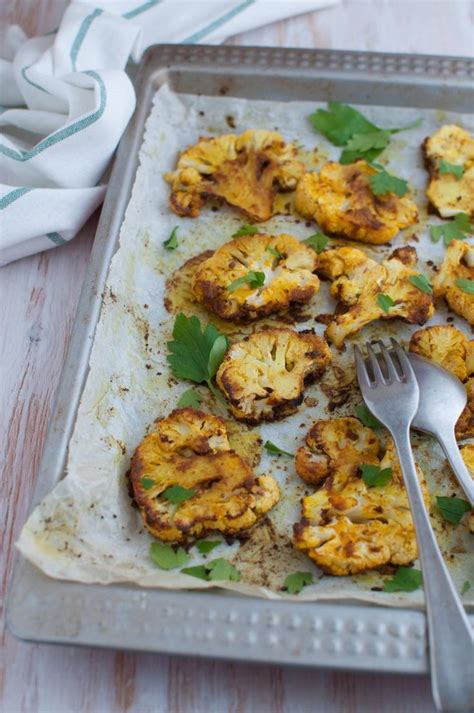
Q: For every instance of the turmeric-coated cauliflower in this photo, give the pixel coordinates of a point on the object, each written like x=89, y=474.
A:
x=467, y=453
x=451, y=349
x=358, y=281
x=346, y=526
x=336, y=446
x=458, y=264
x=340, y=199
x=263, y=375
x=191, y=449
x=286, y=264
x=447, y=192
x=246, y=171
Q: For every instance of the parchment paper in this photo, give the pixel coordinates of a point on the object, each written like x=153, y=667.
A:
x=86, y=529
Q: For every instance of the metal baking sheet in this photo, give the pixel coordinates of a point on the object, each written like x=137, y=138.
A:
x=334, y=635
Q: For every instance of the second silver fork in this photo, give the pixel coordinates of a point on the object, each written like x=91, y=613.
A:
x=392, y=395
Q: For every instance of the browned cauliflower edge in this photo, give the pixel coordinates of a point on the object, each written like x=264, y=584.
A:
x=357, y=281
x=246, y=171
x=263, y=375
x=450, y=348
x=467, y=453
x=191, y=449
x=347, y=527
x=340, y=199
x=288, y=267
x=447, y=193
x=458, y=264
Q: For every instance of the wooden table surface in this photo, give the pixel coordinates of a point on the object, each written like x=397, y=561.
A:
x=38, y=297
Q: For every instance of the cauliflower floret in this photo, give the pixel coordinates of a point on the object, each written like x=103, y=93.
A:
x=348, y=527
x=191, y=449
x=336, y=447
x=340, y=199
x=287, y=264
x=344, y=547
x=447, y=193
x=263, y=375
x=458, y=264
x=446, y=345
x=246, y=171
x=467, y=453
x=358, y=280
x=451, y=349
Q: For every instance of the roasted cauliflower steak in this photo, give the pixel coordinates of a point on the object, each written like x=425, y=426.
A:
x=263, y=375
x=467, y=453
x=447, y=193
x=341, y=201
x=450, y=348
x=458, y=264
x=191, y=449
x=357, y=280
x=287, y=264
x=346, y=526
x=245, y=171
x=338, y=445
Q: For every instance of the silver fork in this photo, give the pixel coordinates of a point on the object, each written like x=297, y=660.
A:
x=392, y=395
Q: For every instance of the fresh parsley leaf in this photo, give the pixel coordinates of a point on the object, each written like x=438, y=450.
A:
x=221, y=569
x=364, y=415
x=252, y=279
x=172, y=242
x=385, y=302
x=422, y=283
x=195, y=354
x=198, y=571
x=373, y=476
x=295, y=582
x=189, y=398
x=318, y=241
x=176, y=494
x=466, y=286
x=246, y=230
x=383, y=182
x=410, y=125
x=165, y=557
x=274, y=251
x=276, y=451
x=147, y=483
x=371, y=140
x=216, y=570
x=340, y=122
x=216, y=354
x=455, y=230
x=463, y=222
x=405, y=579
x=446, y=167
x=452, y=509
x=465, y=587
x=206, y=546
x=344, y=126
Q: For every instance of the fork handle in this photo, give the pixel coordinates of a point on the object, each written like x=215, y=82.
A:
x=449, y=631
x=453, y=454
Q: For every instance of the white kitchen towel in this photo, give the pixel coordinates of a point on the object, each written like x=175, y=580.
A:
x=65, y=101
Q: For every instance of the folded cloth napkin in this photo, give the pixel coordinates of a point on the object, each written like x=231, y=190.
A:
x=65, y=101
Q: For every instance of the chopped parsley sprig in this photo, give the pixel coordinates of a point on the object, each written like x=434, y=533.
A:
x=456, y=229
x=405, y=579
x=252, y=279
x=196, y=354
x=344, y=126
x=453, y=168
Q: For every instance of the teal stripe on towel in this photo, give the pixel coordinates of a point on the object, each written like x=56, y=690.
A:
x=82, y=32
